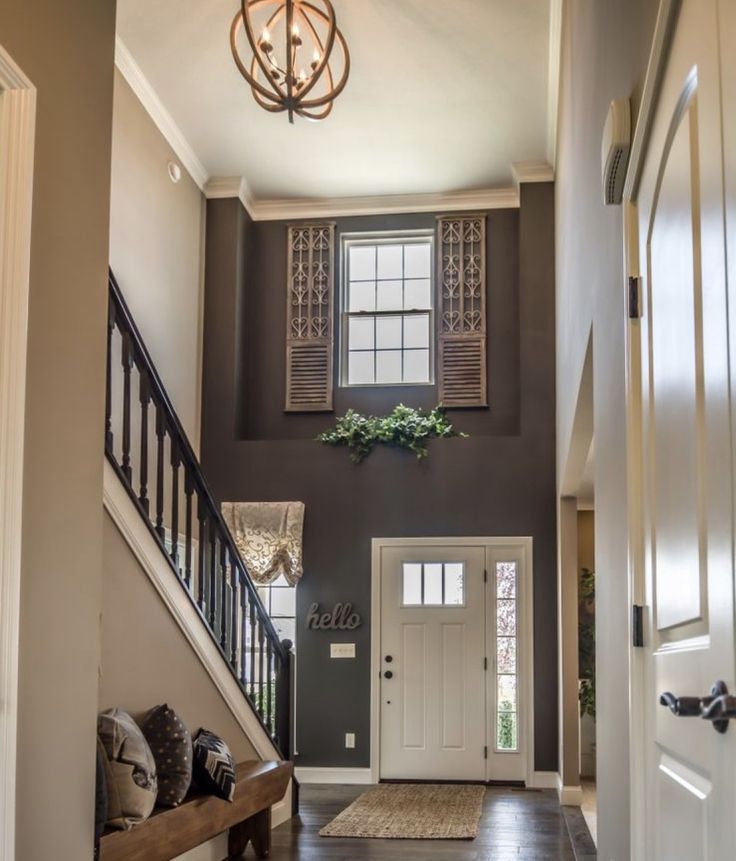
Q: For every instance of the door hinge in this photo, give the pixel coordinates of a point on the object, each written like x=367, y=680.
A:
x=634, y=298
x=485, y=576
x=485, y=663
x=637, y=626
x=485, y=753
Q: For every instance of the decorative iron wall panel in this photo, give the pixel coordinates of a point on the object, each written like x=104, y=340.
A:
x=309, y=317
x=461, y=310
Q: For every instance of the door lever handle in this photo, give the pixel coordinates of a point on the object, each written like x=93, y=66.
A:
x=682, y=706
x=718, y=708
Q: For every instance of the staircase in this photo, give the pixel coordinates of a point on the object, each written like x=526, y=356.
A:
x=148, y=450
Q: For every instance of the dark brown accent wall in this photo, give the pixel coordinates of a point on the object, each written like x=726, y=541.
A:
x=500, y=481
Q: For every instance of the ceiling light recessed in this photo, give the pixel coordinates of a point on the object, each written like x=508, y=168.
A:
x=295, y=61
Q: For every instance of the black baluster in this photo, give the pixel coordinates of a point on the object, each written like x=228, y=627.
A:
x=175, y=462
x=108, y=394
x=188, y=528
x=234, y=578
x=127, y=361
x=261, y=656
x=144, y=395
x=269, y=687
x=212, y=591
x=160, y=434
x=202, y=561
x=252, y=598
x=283, y=700
x=224, y=615
x=243, y=635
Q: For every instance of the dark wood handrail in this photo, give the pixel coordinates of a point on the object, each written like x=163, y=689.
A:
x=220, y=586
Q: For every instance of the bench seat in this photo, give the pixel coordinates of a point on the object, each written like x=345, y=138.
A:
x=169, y=833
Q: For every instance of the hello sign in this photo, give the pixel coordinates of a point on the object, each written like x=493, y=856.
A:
x=342, y=618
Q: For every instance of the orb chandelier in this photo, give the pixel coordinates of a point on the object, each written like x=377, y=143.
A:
x=299, y=61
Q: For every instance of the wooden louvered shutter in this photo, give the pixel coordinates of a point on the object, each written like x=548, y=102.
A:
x=461, y=305
x=309, y=317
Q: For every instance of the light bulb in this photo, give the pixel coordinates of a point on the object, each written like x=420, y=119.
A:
x=316, y=56
x=265, y=35
x=295, y=30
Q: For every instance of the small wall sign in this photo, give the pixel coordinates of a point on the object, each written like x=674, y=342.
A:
x=342, y=618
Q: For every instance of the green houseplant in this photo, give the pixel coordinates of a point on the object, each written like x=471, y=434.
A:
x=586, y=641
x=404, y=427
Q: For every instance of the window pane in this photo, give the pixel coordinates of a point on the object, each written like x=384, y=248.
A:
x=361, y=368
x=412, y=586
x=417, y=261
x=506, y=579
x=388, y=334
x=389, y=296
x=417, y=294
x=264, y=593
x=454, y=583
x=506, y=618
x=361, y=333
x=506, y=738
x=388, y=366
x=390, y=261
x=416, y=330
x=283, y=602
x=416, y=366
x=507, y=693
x=506, y=655
x=281, y=581
x=362, y=262
x=433, y=583
x=286, y=629
x=363, y=296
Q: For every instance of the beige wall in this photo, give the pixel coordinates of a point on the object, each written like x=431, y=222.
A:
x=66, y=49
x=586, y=540
x=146, y=660
x=605, y=48
x=156, y=250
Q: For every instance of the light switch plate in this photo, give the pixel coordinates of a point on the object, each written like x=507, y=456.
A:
x=350, y=740
x=342, y=650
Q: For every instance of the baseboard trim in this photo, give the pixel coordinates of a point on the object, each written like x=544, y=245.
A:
x=544, y=780
x=308, y=774
x=570, y=796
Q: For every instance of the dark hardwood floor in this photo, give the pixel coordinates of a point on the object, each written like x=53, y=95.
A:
x=516, y=825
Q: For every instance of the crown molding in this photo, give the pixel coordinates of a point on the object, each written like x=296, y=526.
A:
x=335, y=207
x=148, y=97
x=232, y=186
x=532, y=171
x=556, y=11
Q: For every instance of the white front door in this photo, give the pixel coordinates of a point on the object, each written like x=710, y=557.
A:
x=686, y=457
x=451, y=618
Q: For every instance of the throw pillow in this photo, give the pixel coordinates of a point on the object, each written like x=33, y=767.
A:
x=214, y=766
x=100, y=795
x=171, y=745
x=130, y=767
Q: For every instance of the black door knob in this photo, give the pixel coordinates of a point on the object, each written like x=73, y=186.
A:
x=388, y=674
x=388, y=659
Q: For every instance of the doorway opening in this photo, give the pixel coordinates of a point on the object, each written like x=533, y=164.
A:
x=452, y=695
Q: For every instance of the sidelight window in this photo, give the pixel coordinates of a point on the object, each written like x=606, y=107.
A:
x=507, y=725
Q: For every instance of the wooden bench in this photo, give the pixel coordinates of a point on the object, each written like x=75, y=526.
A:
x=170, y=833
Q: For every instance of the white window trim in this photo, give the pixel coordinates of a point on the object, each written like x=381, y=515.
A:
x=385, y=237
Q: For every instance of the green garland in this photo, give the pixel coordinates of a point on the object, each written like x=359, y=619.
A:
x=404, y=427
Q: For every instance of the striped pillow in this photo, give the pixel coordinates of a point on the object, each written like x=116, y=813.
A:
x=214, y=766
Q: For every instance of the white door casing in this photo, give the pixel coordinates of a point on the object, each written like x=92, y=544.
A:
x=17, y=126
x=684, y=773
x=435, y=716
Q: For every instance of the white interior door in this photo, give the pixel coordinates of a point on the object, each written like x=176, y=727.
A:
x=687, y=468
x=432, y=688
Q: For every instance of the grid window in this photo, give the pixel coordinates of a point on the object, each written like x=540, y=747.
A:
x=279, y=599
x=433, y=584
x=388, y=310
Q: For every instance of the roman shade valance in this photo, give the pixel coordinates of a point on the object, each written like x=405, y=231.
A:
x=269, y=538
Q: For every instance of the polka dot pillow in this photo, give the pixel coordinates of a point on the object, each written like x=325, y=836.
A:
x=171, y=744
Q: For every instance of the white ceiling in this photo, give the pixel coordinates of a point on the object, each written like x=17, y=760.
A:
x=443, y=96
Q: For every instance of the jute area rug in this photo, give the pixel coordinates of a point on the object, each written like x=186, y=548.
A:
x=404, y=811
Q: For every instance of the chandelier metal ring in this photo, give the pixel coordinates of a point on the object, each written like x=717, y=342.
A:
x=286, y=86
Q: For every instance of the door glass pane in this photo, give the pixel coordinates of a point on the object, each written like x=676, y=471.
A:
x=506, y=618
x=506, y=657
x=454, y=583
x=506, y=579
x=433, y=583
x=412, y=583
x=507, y=693
x=506, y=738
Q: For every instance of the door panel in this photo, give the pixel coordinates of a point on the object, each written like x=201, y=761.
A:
x=687, y=470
